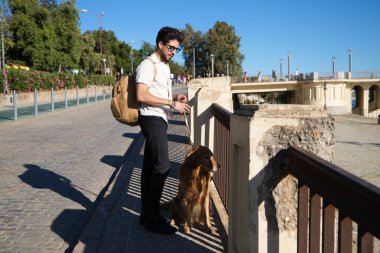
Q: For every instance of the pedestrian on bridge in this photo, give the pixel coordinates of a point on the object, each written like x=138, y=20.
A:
x=274, y=76
x=155, y=94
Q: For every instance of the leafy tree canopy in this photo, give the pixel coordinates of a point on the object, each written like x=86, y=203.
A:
x=221, y=41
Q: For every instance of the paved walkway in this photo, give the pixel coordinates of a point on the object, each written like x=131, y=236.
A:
x=357, y=147
x=75, y=174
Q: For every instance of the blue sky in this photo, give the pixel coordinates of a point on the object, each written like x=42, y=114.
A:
x=313, y=31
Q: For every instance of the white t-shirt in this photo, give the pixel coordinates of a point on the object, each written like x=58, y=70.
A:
x=159, y=85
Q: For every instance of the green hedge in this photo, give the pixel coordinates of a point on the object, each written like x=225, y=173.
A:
x=27, y=81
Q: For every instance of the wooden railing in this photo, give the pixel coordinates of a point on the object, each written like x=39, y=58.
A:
x=324, y=190
x=221, y=146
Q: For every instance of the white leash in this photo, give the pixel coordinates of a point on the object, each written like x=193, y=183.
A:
x=187, y=125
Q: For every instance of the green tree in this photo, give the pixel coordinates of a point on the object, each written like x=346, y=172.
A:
x=121, y=51
x=26, y=33
x=68, y=34
x=147, y=49
x=176, y=68
x=45, y=35
x=223, y=42
x=195, y=40
x=89, y=60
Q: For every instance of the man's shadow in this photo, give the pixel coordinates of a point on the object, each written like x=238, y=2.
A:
x=40, y=178
x=69, y=224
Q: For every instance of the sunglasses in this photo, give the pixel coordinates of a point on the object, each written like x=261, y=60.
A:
x=171, y=48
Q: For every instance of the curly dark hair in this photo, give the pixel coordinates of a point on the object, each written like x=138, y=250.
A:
x=168, y=33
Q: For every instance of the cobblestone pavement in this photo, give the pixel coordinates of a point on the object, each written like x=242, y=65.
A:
x=357, y=147
x=53, y=167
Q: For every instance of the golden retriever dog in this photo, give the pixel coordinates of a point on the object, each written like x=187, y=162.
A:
x=192, y=203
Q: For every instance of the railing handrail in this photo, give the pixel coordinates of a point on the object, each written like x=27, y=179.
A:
x=221, y=151
x=350, y=194
x=221, y=114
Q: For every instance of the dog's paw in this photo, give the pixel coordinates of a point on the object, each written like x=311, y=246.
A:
x=186, y=228
x=210, y=230
x=172, y=222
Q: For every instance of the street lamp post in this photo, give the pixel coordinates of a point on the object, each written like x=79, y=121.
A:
x=289, y=57
x=350, y=60
x=104, y=64
x=131, y=56
x=228, y=69
x=142, y=47
x=100, y=37
x=193, y=62
x=281, y=69
x=212, y=56
x=324, y=91
x=333, y=67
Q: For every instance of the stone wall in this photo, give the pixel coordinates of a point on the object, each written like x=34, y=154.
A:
x=263, y=215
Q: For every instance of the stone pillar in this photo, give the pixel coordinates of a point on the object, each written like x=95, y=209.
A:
x=365, y=101
x=202, y=93
x=348, y=99
x=263, y=197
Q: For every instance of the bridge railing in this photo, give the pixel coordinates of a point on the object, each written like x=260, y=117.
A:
x=365, y=75
x=324, y=188
x=308, y=76
x=263, y=78
x=221, y=147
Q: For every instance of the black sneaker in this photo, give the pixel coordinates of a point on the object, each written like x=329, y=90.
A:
x=160, y=225
x=142, y=220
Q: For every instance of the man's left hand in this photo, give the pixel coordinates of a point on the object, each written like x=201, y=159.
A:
x=181, y=98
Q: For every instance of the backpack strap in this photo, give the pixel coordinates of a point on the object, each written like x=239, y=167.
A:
x=154, y=67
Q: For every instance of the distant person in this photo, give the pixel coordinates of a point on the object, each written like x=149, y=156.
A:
x=259, y=76
x=274, y=76
x=296, y=74
x=117, y=76
x=245, y=76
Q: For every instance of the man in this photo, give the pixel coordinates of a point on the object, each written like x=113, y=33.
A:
x=154, y=93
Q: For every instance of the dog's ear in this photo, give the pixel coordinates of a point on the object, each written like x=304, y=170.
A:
x=191, y=151
x=191, y=157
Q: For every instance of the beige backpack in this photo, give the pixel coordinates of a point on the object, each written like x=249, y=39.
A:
x=124, y=105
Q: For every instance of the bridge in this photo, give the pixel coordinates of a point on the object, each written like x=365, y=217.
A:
x=345, y=93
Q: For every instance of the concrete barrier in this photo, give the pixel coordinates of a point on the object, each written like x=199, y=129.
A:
x=27, y=98
x=263, y=197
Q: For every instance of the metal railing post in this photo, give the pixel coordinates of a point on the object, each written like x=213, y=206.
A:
x=110, y=91
x=77, y=96
x=35, y=102
x=65, y=97
x=52, y=99
x=104, y=93
x=96, y=98
x=88, y=100
x=14, y=106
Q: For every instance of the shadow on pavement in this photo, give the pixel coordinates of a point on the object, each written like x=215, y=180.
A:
x=69, y=223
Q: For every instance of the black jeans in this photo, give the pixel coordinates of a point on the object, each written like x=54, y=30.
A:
x=156, y=165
